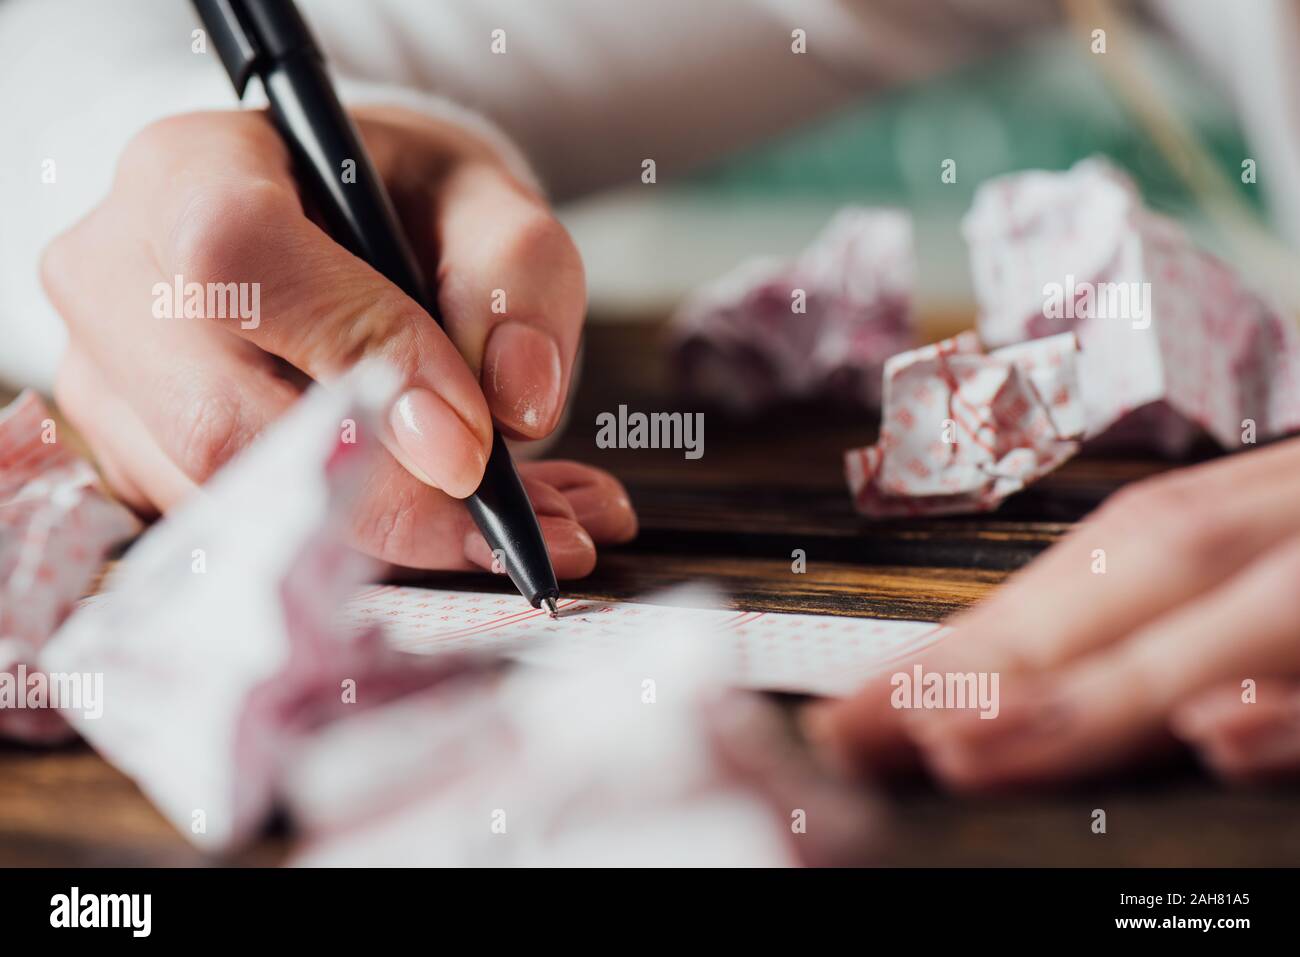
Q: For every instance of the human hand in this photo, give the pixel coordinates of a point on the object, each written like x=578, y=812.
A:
x=209, y=197
x=1200, y=594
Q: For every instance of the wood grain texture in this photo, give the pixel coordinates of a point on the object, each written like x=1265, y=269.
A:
x=761, y=490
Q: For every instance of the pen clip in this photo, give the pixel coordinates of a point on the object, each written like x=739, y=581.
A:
x=233, y=43
x=255, y=35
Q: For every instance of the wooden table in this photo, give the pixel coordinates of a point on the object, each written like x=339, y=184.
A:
x=761, y=490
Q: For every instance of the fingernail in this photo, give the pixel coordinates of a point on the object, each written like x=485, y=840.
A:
x=608, y=516
x=573, y=553
x=566, y=538
x=477, y=551
x=438, y=443
x=521, y=375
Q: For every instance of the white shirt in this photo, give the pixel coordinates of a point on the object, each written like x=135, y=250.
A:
x=586, y=89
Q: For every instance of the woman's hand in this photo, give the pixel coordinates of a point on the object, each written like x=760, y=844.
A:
x=1189, y=630
x=165, y=402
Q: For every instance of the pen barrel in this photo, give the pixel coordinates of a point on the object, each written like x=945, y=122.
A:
x=328, y=151
x=360, y=216
x=502, y=512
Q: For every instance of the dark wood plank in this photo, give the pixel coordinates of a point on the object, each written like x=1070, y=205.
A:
x=68, y=807
x=1176, y=818
x=762, y=489
x=756, y=584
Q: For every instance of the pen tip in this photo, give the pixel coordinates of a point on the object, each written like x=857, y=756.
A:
x=551, y=608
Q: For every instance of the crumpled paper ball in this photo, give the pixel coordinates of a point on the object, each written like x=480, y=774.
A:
x=820, y=325
x=1165, y=330
x=962, y=429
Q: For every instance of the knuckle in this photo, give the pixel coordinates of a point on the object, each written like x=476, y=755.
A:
x=69, y=391
x=598, y=479
x=1025, y=652
x=205, y=232
x=1281, y=570
x=263, y=202
x=1152, y=504
x=385, y=326
x=62, y=265
x=1202, y=537
x=158, y=138
x=158, y=144
x=386, y=525
x=537, y=263
x=1174, y=514
x=542, y=241
x=1290, y=565
x=221, y=222
x=65, y=389
x=208, y=431
x=541, y=235
x=58, y=264
x=1142, y=674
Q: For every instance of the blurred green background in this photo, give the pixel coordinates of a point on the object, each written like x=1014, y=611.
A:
x=1042, y=105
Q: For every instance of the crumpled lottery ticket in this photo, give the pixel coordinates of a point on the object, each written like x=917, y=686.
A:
x=217, y=637
x=638, y=755
x=1164, y=328
x=232, y=684
x=961, y=429
x=55, y=529
x=818, y=325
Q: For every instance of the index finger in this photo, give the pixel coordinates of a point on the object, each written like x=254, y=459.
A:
x=285, y=286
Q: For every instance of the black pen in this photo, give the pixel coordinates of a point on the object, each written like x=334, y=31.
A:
x=269, y=39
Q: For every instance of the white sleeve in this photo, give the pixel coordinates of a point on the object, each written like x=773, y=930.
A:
x=588, y=88
x=591, y=88
x=80, y=78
